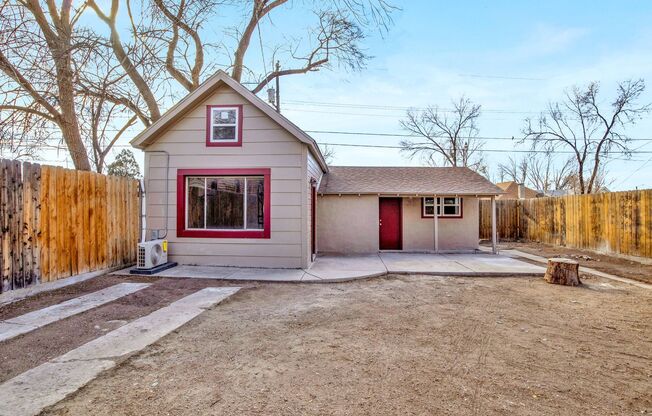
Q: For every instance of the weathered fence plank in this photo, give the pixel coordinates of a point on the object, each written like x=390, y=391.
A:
x=57, y=222
x=614, y=222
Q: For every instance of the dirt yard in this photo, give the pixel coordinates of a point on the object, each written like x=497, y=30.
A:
x=619, y=266
x=397, y=345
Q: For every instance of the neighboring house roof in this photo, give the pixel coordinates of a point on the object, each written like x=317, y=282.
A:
x=406, y=180
x=147, y=136
x=511, y=190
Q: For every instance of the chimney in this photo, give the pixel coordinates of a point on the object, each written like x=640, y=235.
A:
x=521, y=191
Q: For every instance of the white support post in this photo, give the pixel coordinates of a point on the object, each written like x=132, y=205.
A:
x=493, y=225
x=436, y=224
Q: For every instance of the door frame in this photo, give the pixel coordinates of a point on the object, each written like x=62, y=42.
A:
x=400, y=221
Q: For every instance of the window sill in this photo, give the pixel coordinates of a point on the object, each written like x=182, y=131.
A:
x=224, y=234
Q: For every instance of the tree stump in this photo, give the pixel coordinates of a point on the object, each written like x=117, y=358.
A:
x=562, y=272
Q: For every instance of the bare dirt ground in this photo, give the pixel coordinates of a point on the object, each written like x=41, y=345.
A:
x=609, y=264
x=34, y=348
x=408, y=345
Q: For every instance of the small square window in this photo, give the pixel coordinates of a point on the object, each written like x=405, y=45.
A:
x=224, y=125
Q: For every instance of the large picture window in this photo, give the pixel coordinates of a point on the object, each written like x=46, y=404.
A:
x=223, y=203
x=447, y=207
x=224, y=125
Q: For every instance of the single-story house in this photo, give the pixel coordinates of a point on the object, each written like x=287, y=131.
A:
x=231, y=182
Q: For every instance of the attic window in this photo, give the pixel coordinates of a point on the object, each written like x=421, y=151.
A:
x=224, y=125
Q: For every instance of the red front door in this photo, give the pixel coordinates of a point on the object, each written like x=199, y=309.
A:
x=390, y=224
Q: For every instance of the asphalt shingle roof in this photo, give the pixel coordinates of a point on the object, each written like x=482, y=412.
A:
x=405, y=180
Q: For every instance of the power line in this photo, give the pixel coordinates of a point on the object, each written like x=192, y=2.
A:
x=501, y=77
x=381, y=146
x=634, y=172
x=390, y=107
x=358, y=133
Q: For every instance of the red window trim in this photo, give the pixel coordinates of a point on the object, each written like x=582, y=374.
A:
x=441, y=217
x=209, y=110
x=181, y=204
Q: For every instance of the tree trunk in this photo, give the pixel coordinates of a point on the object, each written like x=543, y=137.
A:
x=562, y=272
x=68, y=120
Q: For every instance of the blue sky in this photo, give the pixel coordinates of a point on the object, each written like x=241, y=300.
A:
x=512, y=57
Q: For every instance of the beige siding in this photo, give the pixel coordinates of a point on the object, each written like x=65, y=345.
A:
x=454, y=233
x=265, y=145
x=347, y=223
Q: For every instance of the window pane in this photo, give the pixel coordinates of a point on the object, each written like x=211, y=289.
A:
x=429, y=201
x=223, y=133
x=449, y=201
x=451, y=209
x=225, y=206
x=195, y=202
x=430, y=210
x=255, y=203
x=224, y=116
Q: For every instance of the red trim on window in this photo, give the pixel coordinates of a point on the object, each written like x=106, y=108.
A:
x=238, y=133
x=181, y=204
x=447, y=216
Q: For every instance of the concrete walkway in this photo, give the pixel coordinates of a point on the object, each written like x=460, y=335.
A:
x=30, y=392
x=30, y=321
x=516, y=254
x=341, y=268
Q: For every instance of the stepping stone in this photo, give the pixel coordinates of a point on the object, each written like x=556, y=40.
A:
x=33, y=320
x=30, y=392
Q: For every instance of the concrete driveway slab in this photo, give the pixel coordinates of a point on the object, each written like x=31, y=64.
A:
x=333, y=268
x=344, y=267
x=495, y=264
x=422, y=263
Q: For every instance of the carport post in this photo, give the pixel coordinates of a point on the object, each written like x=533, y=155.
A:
x=436, y=224
x=493, y=224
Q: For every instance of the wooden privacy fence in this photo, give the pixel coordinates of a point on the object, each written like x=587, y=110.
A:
x=612, y=222
x=58, y=222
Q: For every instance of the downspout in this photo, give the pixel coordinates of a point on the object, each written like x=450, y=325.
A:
x=156, y=234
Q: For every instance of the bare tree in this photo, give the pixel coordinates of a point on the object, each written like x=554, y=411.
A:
x=579, y=124
x=163, y=31
x=37, y=49
x=445, y=136
x=328, y=152
x=546, y=175
x=514, y=170
x=54, y=71
x=540, y=171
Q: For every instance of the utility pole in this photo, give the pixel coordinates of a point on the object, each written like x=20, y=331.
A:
x=278, y=88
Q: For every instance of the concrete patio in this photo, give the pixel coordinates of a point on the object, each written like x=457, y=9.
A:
x=340, y=267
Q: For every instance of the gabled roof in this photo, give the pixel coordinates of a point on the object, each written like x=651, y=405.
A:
x=147, y=136
x=511, y=190
x=406, y=180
